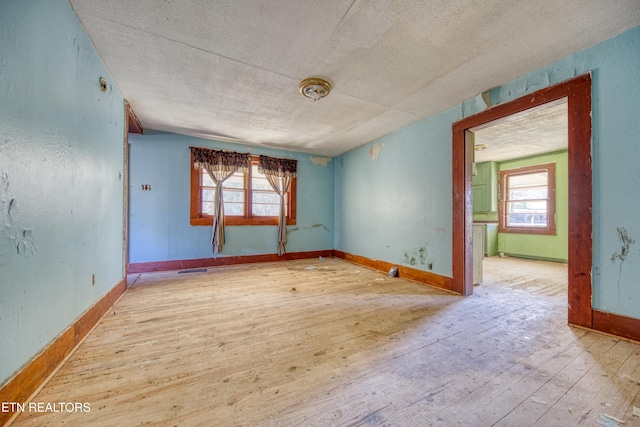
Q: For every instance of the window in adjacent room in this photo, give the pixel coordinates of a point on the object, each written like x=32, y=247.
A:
x=527, y=200
x=248, y=198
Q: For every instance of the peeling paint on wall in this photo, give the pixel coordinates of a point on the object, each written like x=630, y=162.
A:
x=7, y=207
x=320, y=161
x=561, y=71
x=417, y=255
x=291, y=230
x=7, y=203
x=23, y=243
x=10, y=212
x=537, y=81
x=474, y=105
x=374, y=151
x=624, y=251
x=486, y=97
x=48, y=252
x=320, y=226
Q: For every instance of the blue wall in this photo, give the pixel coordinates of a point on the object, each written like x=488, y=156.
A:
x=403, y=200
x=393, y=197
x=159, y=219
x=61, y=177
x=61, y=182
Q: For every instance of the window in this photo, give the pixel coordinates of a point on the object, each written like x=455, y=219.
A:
x=248, y=198
x=527, y=200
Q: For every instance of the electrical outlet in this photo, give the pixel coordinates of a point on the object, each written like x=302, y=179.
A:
x=93, y=279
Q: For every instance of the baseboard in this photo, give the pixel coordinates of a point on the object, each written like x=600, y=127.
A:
x=421, y=276
x=537, y=258
x=147, y=267
x=426, y=277
x=31, y=377
x=616, y=324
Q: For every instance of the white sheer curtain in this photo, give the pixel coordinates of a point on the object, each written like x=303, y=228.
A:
x=279, y=174
x=219, y=165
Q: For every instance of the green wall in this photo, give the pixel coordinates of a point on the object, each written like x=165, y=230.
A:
x=553, y=248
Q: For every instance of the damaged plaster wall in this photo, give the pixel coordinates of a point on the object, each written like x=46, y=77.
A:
x=400, y=201
x=61, y=165
x=159, y=227
x=320, y=161
x=374, y=151
x=394, y=207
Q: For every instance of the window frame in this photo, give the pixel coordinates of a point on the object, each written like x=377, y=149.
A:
x=550, y=229
x=198, y=218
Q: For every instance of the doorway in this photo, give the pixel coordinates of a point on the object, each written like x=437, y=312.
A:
x=578, y=95
x=525, y=156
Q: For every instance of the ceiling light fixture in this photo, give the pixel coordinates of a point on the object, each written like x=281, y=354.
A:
x=314, y=88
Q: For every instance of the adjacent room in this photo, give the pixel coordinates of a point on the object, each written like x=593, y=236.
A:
x=520, y=189
x=338, y=213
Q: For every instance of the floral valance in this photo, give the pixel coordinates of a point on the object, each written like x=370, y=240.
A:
x=280, y=167
x=220, y=160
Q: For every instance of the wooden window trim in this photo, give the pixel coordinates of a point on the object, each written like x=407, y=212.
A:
x=550, y=229
x=197, y=218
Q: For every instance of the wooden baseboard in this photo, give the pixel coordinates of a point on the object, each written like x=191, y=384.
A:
x=31, y=377
x=537, y=258
x=616, y=324
x=421, y=276
x=146, y=267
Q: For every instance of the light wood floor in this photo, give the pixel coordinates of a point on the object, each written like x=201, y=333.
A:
x=324, y=342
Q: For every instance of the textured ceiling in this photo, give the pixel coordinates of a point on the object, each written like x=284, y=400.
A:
x=230, y=69
x=543, y=129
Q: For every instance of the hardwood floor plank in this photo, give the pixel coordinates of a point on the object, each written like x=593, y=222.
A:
x=545, y=394
x=598, y=390
x=324, y=342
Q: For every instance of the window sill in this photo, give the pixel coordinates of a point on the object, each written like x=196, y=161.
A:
x=234, y=220
x=542, y=231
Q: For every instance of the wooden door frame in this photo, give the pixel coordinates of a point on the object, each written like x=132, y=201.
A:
x=577, y=91
x=131, y=125
x=125, y=190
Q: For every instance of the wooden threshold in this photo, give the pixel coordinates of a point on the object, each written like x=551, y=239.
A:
x=35, y=373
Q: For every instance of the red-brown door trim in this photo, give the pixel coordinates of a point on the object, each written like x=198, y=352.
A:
x=577, y=91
